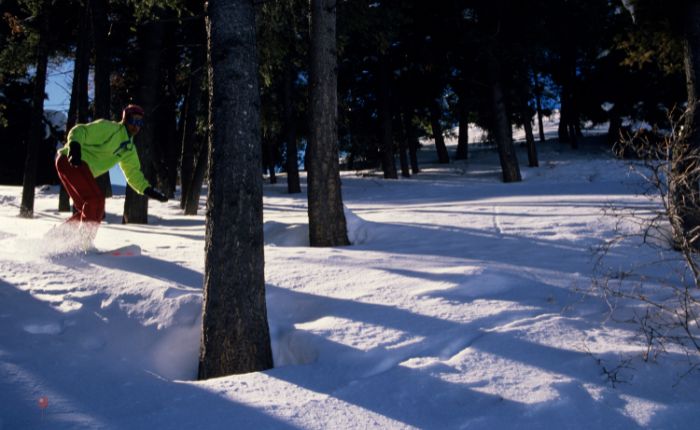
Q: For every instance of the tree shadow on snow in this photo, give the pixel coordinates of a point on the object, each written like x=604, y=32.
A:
x=378, y=379
x=44, y=352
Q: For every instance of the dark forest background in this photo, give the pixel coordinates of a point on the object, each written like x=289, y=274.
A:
x=406, y=70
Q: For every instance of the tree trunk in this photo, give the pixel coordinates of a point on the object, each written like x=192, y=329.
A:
x=403, y=148
x=268, y=156
x=538, y=102
x=98, y=18
x=327, y=226
x=443, y=156
x=290, y=131
x=193, y=102
x=463, y=138
x=235, y=333
x=502, y=127
x=568, y=116
x=530, y=138
x=385, y=115
x=77, y=109
x=412, y=140
x=691, y=48
x=103, y=68
x=194, y=189
x=36, y=130
x=167, y=132
x=685, y=194
x=150, y=39
x=615, y=125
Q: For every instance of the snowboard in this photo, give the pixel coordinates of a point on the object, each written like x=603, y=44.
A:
x=124, y=251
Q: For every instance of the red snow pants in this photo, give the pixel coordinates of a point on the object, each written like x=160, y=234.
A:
x=88, y=199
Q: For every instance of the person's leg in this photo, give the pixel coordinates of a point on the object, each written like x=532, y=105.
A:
x=71, y=183
x=83, y=189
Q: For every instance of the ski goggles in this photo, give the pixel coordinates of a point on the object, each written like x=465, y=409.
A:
x=137, y=122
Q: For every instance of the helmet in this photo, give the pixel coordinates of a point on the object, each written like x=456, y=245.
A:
x=132, y=110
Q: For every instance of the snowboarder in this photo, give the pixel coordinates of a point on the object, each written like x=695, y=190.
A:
x=92, y=149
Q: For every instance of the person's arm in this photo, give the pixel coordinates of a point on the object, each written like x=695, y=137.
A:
x=131, y=166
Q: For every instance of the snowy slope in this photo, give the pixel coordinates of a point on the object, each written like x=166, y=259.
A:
x=463, y=303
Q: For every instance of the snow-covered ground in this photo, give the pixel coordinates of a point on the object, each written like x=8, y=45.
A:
x=463, y=303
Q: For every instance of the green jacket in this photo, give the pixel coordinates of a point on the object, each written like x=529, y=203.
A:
x=105, y=143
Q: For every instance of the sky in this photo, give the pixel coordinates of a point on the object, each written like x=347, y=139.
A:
x=462, y=303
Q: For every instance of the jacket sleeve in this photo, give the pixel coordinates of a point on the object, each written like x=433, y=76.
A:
x=78, y=134
x=131, y=167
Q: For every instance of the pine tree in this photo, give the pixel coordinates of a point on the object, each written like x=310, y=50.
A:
x=327, y=225
x=235, y=333
x=37, y=114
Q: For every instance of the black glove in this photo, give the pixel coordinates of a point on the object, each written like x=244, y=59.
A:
x=74, y=154
x=155, y=194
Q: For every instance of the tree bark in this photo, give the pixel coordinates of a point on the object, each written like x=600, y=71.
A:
x=235, y=333
x=327, y=225
x=36, y=131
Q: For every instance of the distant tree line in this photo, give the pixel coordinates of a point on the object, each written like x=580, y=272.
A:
x=406, y=70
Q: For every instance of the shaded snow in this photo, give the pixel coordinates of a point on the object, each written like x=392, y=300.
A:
x=462, y=303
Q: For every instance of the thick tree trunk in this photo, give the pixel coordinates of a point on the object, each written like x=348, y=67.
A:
x=386, y=118
x=443, y=156
x=235, y=333
x=36, y=131
x=290, y=131
x=150, y=38
x=327, y=226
